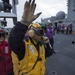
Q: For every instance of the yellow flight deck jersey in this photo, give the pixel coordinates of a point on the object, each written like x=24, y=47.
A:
x=33, y=62
x=15, y=63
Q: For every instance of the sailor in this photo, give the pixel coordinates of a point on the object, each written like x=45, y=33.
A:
x=6, y=66
x=29, y=55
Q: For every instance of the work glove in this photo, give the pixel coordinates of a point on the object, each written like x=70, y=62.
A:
x=28, y=14
x=45, y=39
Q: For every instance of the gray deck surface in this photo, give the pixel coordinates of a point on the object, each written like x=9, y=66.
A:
x=63, y=62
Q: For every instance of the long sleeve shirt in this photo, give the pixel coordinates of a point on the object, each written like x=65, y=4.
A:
x=17, y=44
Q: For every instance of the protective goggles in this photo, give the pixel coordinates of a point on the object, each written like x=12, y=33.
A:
x=39, y=32
x=2, y=35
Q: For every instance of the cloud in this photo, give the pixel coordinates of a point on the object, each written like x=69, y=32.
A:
x=51, y=7
x=47, y=7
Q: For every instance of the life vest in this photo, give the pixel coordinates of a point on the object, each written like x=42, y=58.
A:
x=33, y=62
x=5, y=59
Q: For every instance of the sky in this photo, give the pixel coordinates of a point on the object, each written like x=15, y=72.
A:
x=47, y=7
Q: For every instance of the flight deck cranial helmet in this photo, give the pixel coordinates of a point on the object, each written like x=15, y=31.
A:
x=34, y=29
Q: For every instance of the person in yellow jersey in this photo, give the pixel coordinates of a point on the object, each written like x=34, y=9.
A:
x=29, y=56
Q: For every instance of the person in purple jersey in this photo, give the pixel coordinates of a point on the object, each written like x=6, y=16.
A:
x=58, y=28
x=50, y=33
x=62, y=28
x=70, y=26
x=69, y=29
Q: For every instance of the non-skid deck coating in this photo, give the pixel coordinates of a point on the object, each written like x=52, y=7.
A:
x=63, y=62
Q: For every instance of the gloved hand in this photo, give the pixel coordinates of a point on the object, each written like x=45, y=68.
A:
x=45, y=39
x=28, y=14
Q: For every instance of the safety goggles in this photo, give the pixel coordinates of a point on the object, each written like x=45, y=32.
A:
x=2, y=35
x=39, y=32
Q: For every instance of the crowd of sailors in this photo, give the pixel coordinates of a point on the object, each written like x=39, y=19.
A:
x=62, y=28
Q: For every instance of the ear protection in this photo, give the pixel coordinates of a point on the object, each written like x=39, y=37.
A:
x=31, y=33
